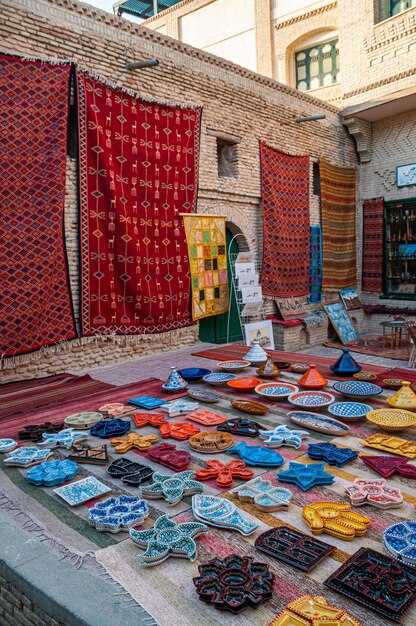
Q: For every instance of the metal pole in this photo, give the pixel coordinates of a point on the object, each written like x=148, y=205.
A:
x=155, y=7
x=139, y=65
x=310, y=118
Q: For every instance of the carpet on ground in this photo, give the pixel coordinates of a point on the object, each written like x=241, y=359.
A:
x=375, y=346
x=373, y=232
x=285, y=198
x=338, y=208
x=36, y=309
x=207, y=251
x=138, y=172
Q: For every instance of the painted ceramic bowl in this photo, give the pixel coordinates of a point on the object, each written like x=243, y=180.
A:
x=299, y=368
x=218, y=379
x=357, y=389
x=366, y=376
x=311, y=399
x=393, y=383
x=243, y=384
x=203, y=396
x=275, y=391
x=234, y=366
x=193, y=373
x=349, y=411
x=392, y=419
x=282, y=365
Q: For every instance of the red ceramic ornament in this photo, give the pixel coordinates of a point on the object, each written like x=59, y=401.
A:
x=224, y=472
x=313, y=379
x=386, y=466
x=179, y=430
x=167, y=454
x=148, y=419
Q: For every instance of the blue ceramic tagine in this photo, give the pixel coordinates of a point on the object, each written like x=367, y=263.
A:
x=175, y=382
x=346, y=365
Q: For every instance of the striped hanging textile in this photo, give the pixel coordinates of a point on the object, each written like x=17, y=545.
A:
x=373, y=224
x=315, y=272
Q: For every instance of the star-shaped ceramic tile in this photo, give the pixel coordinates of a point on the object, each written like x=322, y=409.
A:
x=225, y=472
x=283, y=436
x=172, y=488
x=167, y=539
x=264, y=495
x=306, y=476
x=133, y=440
x=27, y=456
x=331, y=453
x=65, y=439
x=179, y=407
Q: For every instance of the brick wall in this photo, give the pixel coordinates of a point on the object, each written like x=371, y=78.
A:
x=17, y=610
x=235, y=102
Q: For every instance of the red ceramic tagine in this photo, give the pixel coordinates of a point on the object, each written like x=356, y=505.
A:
x=313, y=379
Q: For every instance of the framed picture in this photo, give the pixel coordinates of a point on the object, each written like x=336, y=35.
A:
x=341, y=322
x=350, y=299
x=251, y=294
x=406, y=175
x=292, y=308
x=262, y=331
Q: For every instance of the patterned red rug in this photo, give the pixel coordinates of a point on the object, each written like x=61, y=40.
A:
x=285, y=197
x=138, y=172
x=36, y=308
x=373, y=226
x=338, y=208
x=376, y=347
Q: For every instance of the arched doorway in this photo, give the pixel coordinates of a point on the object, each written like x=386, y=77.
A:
x=217, y=328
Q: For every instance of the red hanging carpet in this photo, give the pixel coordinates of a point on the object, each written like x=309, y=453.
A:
x=373, y=226
x=10, y=425
x=36, y=308
x=138, y=172
x=338, y=207
x=285, y=197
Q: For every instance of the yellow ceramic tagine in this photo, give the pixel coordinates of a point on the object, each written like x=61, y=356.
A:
x=405, y=398
x=268, y=370
x=313, y=611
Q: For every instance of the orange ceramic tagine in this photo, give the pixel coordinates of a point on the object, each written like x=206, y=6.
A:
x=313, y=379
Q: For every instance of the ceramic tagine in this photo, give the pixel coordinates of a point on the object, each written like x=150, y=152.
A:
x=313, y=379
x=346, y=365
x=175, y=382
x=256, y=355
x=268, y=370
x=405, y=398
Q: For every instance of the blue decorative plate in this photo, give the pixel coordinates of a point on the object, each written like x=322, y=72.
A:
x=203, y=396
x=52, y=473
x=311, y=399
x=82, y=490
x=320, y=423
x=357, y=388
x=349, y=411
x=218, y=379
x=400, y=542
x=193, y=373
x=275, y=391
x=147, y=402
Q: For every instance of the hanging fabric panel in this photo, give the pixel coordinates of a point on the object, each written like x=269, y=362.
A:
x=373, y=225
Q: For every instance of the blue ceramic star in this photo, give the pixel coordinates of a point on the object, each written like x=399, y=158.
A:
x=52, y=473
x=115, y=514
x=172, y=488
x=64, y=439
x=26, y=456
x=332, y=454
x=167, y=539
x=283, y=436
x=306, y=476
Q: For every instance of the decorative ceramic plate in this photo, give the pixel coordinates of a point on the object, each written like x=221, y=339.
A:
x=311, y=399
x=218, y=379
x=234, y=366
x=113, y=409
x=243, y=384
x=27, y=456
x=82, y=420
x=400, y=542
x=391, y=444
x=299, y=368
x=313, y=611
x=282, y=365
x=293, y=547
x=207, y=418
x=357, y=388
x=193, y=373
x=211, y=442
x=52, y=473
x=7, y=445
x=167, y=454
x=393, y=383
x=349, y=411
x=203, y=396
x=275, y=391
x=319, y=423
x=115, y=514
x=366, y=376
x=147, y=402
x=222, y=513
x=246, y=406
x=392, y=419
x=82, y=490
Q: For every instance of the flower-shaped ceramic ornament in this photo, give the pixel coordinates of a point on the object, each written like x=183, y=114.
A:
x=167, y=539
x=306, y=476
x=7, y=445
x=222, y=513
x=233, y=583
x=179, y=407
x=331, y=453
x=225, y=472
x=172, y=488
x=65, y=439
x=178, y=430
x=283, y=436
x=83, y=420
x=52, y=473
x=336, y=519
x=27, y=456
x=374, y=491
x=400, y=542
x=116, y=514
x=133, y=440
x=264, y=495
x=110, y=428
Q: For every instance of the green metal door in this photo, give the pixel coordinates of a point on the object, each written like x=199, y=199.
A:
x=214, y=329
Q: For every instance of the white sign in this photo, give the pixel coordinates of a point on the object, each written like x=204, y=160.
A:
x=248, y=280
x=251, y=294
x=244, y=268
